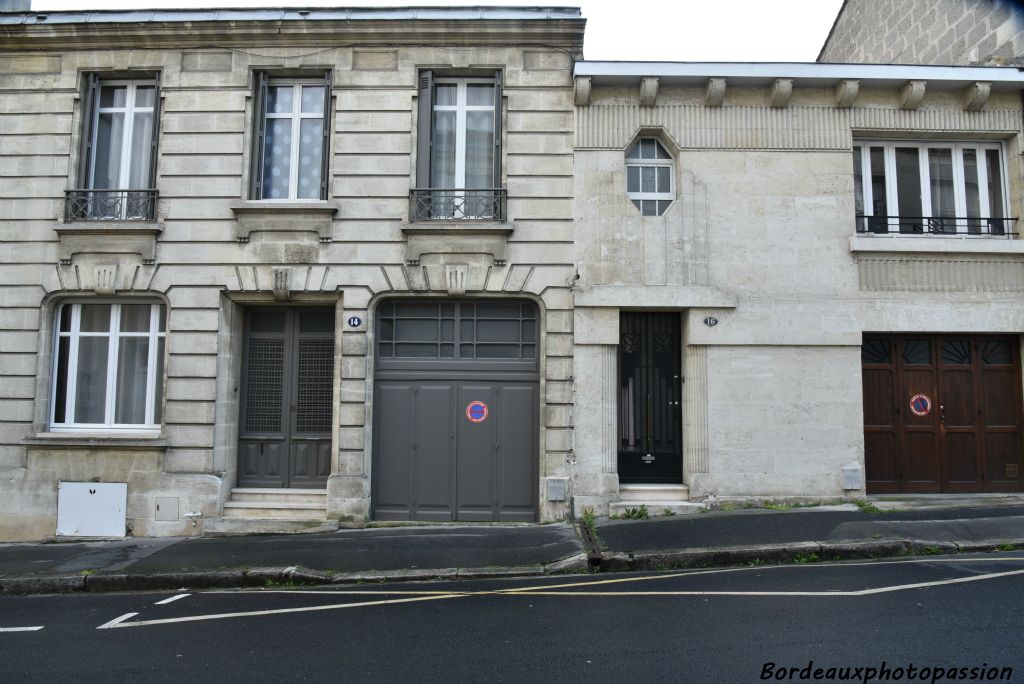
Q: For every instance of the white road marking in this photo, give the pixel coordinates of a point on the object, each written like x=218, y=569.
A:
x=552, y=590
x=116, y=621
x=171, y=599
x=21, y=629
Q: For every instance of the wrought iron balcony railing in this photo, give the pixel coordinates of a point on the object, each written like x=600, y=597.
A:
x=457, y=204
x=110, y=205
x=938, y=225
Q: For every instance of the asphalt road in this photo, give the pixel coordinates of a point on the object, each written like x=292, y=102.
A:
x=697, y=625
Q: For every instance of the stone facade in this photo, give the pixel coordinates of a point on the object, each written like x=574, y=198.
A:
x=982, y=32
x=760, y=237
x=212, y=251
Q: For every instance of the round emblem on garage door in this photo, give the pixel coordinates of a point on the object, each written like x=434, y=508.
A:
x=920, y=404
x=476, y=411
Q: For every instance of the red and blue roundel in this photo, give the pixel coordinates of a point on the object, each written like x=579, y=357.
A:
x=921, y=404
x=476, y=411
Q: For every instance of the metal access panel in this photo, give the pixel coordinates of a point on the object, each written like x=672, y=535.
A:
x=456, y=411
x=91, y=509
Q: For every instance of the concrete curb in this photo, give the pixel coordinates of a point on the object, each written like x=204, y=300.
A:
x=609, y=562
x=794, y=552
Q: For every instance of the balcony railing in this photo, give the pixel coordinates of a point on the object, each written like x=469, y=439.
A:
x=998, y=227
x=457, y=204
x=110, y=205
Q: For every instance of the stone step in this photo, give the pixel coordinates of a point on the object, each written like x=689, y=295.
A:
x=228, y=526
x=294, y=495
x=619, y=508
x=275, y=509
x=654, y=492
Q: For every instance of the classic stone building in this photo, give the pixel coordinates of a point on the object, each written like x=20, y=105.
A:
x=816, y=262
x=272, y=269
x=969, y=32
x=243, y=248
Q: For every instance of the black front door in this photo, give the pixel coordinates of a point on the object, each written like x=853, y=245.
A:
x=650, y=399
x=287, y=379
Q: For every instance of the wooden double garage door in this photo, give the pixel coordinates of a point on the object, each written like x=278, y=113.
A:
x=942, y=413
x=456, y=411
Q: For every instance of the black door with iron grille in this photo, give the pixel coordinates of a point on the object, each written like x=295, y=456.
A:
x=287, y=379
x=650, y=399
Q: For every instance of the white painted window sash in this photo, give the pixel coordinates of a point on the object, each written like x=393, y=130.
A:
x=113, y=335
x=127, y=135
x=461, y=107
x=295, y=118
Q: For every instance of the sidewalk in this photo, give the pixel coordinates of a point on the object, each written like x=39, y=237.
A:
x=448, y=552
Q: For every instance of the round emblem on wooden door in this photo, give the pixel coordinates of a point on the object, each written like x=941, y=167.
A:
x=920, y=404
x=476, y=411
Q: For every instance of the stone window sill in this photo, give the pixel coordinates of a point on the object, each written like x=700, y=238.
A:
x=312, y=216
x=953, y=244
x=103, y=440
x=107, y=237
x=457, y=237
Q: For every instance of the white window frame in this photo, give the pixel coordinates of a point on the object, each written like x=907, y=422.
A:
x=296, y=116
x=127, y=136
x=461, y=107
x=640, y=163
x=959, y=188
x=114, y=334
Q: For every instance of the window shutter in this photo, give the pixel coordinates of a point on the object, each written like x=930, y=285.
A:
x=497, y=130
x=153, y=143
x=89, y=100
x=424, y=127
x=259, y=133
x=325, y=155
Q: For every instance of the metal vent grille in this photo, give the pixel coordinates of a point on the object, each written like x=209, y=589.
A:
x=264, y=391
x=315, y=375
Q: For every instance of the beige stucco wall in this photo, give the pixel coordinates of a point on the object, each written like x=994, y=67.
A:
x=759, y=237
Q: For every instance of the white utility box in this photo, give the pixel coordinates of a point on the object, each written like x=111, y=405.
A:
x=92, y=509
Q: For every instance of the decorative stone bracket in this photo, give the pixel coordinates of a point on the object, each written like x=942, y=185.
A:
x=448, y=237
x=284, y=217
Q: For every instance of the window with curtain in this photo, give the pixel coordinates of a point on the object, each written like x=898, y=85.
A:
x=929, y=188
x=458, y=170
x=117, y=166
x=108, y=366
x=290, y=159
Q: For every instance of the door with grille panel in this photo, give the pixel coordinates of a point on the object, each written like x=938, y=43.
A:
x=942, y=413
x=287, y=378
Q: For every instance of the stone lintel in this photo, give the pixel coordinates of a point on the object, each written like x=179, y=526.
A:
x=912, y=94
x=714, y=92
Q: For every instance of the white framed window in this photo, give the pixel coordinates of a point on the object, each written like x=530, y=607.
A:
x=462, y=137
x=122, y=132
x=108, y=366
x=117, y=162
x=650, y=177
x=930, y=187
x=458, y=164
x=292, y=138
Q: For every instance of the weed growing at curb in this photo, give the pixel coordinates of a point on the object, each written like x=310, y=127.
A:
x=868, y=507
x=636, y=513
x=756, y=562
x=86, y=573
x=668, y=511
x=1005, y=547
x=929, y=550
x=588, y=516
x=802, y=558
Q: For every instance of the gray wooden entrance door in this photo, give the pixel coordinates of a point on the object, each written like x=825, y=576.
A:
x=456, y=404
x=287, y=379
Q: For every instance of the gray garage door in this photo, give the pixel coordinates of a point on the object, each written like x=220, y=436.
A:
x=456, y=408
